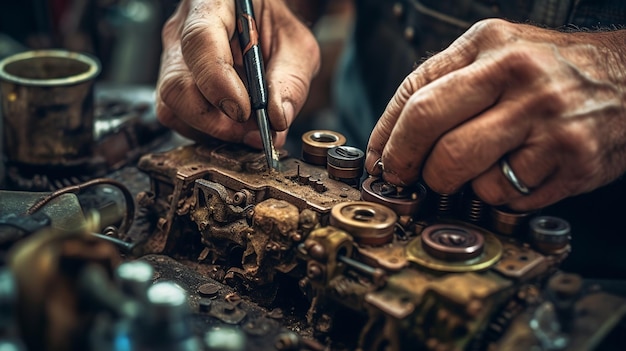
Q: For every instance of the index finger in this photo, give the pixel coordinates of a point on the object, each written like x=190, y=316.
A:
x=458, y=55
x=205, y=43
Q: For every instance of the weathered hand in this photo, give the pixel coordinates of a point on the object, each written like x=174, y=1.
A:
x=553, y=102
x=200, y=89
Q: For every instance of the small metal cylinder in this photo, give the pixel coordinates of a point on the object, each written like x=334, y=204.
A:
x=368, y=222
x=47, y=106
x=452, y=242
x=550, y=235
x=167, y=316
x=345, y=163
x=508, y=222
x=316, y=143
x=404, y=201
x=134, y=278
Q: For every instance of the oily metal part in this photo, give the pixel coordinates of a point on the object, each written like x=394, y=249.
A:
x=316, y=143
x=492, y=252
x=404, y=201
x=508, y=222
x=237, y=167
x=47, y=103
x=370, y=223
x=452, y=243
x=345, y=162
x=550, y=234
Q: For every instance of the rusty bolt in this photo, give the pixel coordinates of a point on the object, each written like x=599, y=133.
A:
x=317, y=252
x=208, y=289
x=229, y=308
x=204, y=305
x=314, y=271
x=239, y=198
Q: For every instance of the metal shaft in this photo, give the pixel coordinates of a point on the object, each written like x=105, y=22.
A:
x=266, y=138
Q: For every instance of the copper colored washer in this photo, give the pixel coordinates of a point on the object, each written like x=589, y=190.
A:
x=405, y=203
x=315, y=145
x=452, y=242
x=369, y=223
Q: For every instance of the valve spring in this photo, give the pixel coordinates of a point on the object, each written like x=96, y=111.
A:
x=445, y=205
x=475, y=210
x=41, y=182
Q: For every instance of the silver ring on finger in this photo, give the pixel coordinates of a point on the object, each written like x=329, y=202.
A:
x=508, y=173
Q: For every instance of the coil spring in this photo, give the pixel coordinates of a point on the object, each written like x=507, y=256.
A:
x=41, y=182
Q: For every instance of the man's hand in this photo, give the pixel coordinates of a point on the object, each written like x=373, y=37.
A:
x=200, y=89
x=553, y=102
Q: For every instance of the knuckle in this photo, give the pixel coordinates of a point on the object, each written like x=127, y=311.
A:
x=171, y=88
x=576, y=139
x=164, y=116
x=451, y=155
x=493, y=195
x=191, y=35
x=492, y=28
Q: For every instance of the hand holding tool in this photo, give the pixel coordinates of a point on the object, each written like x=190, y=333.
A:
x=255, y=75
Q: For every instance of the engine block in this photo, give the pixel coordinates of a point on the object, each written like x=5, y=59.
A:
x=415, y=269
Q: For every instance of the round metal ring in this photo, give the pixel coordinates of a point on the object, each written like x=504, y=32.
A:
x=368, y=222
x=508, y=173
x=418, y=253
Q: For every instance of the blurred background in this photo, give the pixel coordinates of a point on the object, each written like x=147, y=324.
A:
x=126, y=36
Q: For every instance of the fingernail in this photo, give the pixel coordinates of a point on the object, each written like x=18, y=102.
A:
x=288, y=112
x=232, y=110
x=392, y=178
x=377, y=167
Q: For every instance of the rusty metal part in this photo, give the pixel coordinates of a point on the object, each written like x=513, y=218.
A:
x=316, y=143
x=564, y=289
x=438, y=306
x=47, y=104
x=236, y=168
x=492, y=251
x=404, y=201
x=345, y=163
x=452, y=243
x=520, y=261
x=46, y=267
x=390, y=257
x=508, y=222
x=324, y=246
x=125, y=129
x=208, y=290
x=227, y=312
x=410, y=298
x=368, y=222
x=550, y=235
x=588, y=330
